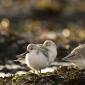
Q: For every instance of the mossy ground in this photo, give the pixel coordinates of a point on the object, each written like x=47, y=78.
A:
x=61, y=76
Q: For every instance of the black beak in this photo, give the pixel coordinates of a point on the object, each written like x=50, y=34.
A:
x=68, y=57
x=25, y=52
x=22, y=55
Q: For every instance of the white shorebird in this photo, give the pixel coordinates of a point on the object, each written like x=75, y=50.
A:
x=35, y=58
x=77, y=56
x=52, y=50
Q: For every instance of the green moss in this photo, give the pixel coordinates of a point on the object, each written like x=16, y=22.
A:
x=60, y=76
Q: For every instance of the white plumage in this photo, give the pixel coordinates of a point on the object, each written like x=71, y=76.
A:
x=35, y=59
x=52, y=50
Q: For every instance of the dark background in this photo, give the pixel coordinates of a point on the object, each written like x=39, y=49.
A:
x=34, y=21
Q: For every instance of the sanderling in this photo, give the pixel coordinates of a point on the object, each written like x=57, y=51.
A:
x=77, y=56
x=52, y=50
x=35, y=58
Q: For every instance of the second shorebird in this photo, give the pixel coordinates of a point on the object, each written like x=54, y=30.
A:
x=77, y=56
x=52, y=50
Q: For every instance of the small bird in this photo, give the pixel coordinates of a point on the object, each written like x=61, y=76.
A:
x=51, y=47
x=77, y=56
x=35, y=58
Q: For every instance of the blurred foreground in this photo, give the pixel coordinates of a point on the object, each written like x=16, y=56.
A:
x=61, y=76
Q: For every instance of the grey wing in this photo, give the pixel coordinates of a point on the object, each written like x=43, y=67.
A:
x=44, y=51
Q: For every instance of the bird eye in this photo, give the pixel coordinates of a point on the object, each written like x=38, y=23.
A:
x=31, y=48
